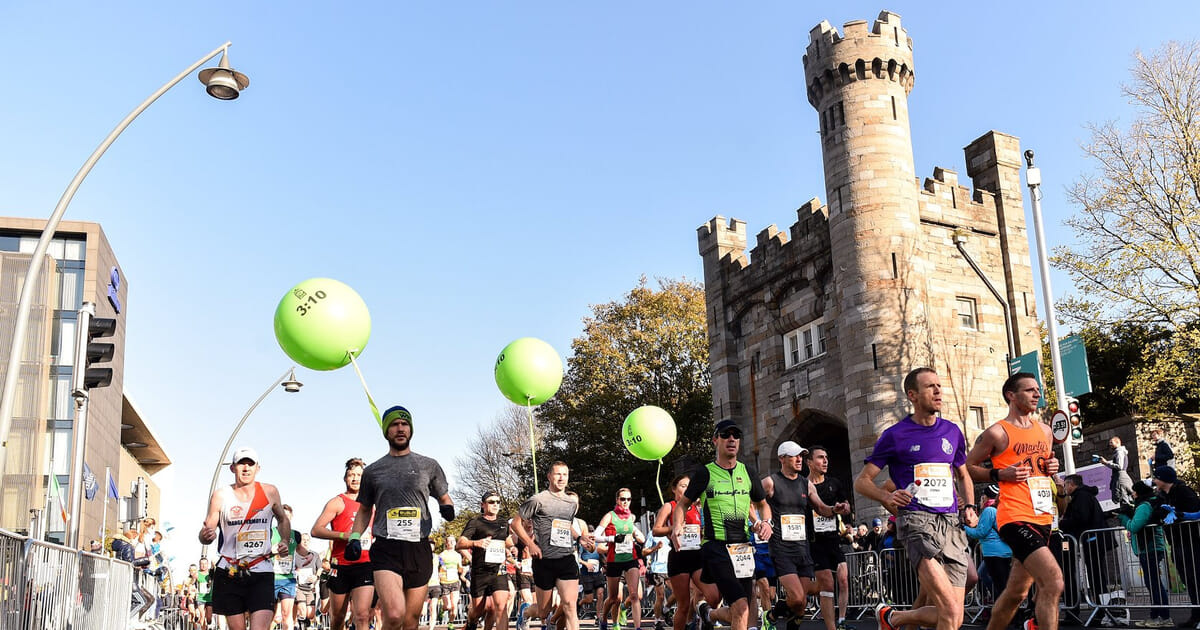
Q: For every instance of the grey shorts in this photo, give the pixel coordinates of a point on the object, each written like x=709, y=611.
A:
x=939, y=537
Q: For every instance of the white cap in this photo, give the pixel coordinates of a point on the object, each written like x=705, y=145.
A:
x=791, y=449
x=244, y=452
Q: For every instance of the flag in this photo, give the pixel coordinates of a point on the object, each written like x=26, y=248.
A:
x=112, y=485
x=89, y=483
x=56, y=492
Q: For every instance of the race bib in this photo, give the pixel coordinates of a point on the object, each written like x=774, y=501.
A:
x=689, y=540
x=527, y=565
x=1041, y=491
x=935, y=486
x=252, y=544
x=742, y=557
x=626, y=546
x=283, y=564
x=793, y=527
x=202, y=587
x=366, y=539
x=494, y=553
x=560, y=533
x=823, y=524
x=451, y=574
x=404, y=523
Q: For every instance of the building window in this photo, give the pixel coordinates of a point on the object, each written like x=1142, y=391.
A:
x=804, y=343
x=976, y=414
x=966, y=313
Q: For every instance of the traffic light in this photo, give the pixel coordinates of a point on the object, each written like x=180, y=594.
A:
x=89, y=353
x=1076, y=419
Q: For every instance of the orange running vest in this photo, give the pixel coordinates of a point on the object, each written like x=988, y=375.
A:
x=1031, y=448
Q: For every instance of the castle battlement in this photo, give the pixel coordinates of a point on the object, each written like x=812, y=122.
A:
x=806, y=239
x=833, y=60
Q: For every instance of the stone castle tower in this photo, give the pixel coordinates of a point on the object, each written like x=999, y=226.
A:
x=811, y=336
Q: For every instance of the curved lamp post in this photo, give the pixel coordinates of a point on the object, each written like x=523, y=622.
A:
x=290, y=385
x=221, y=82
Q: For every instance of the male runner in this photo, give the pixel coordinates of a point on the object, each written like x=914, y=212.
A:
x=204, y=593
x=397, y=487
x=449, y=569
x=1019, y=447
x=351, y=584
x=240, y=516
x=544, y=523
x=924, y=453
x=826, y=545
x=791, y=495
x=284, y=565
x=725, y=489
x=488, y=539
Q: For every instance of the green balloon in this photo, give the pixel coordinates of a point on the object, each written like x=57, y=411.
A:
x=319, y=321
x=528, y=371
x=649, y=433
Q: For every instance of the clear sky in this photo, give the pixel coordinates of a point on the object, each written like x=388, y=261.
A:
x=477, y=171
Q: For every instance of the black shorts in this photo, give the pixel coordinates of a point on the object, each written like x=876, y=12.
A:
x=525, y=581
x=433, y=592
x=656, y=579
x=486, y=583
x=1024, y=538
x=410, y=560
x=791, y=560
x=826, y=555
x=447, y=589
x=718, y=569
x=347, y=577
x=234, y=596
x=684, y=562
x=592, y=581
x=547, y=572
x=618, y=569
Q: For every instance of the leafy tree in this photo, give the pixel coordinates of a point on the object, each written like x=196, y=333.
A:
x=650, y=348
x=496, y=460
x=1137, y=264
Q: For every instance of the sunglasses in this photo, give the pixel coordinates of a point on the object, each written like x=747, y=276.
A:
x=624, y=498
x=730, y=433
x=495, y=501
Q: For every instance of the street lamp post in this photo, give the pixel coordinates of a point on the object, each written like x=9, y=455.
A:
x=222, y=83
x=1033, y=179
x=291, y=385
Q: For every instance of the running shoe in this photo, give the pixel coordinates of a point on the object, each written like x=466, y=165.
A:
x=521, y=615
x=766, y=621
x=704, y=610
x=1030, y=624
x=884, y=613
x=622, y=616
x=845, y=625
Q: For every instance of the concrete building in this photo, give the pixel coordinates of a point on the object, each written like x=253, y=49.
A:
x=812, y=333
x=80, y=266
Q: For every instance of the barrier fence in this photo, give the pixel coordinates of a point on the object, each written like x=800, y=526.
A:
x=44, y=586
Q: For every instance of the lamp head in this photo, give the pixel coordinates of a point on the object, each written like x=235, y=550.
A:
x=291, y=385
x=223, y=82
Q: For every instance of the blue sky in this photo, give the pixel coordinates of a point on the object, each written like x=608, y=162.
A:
x=477, y=171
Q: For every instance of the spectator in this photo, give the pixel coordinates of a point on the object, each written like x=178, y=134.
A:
x=1163, y=455
x=997, y=556
x=1083, y=513
x=1121, y=484
x=123, y=547
x=874, y=537
x=1182, y=536
x=95, y=547
x=889, y=536
x=1150, y=546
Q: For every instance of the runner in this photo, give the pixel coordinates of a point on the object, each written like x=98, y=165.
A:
x=658, y=548
x=683, y=562
x=544, y=524
x=923, y=453
x=591, y=579
x=449, y=570
x=1019, y=447
x=433, y=592
x=826, y=548
x=791, y=496
x=488, y=538
x=728, y=488
x=204, y=593
x=623, y=539
x=239, y=519
x=284, y=565
x=351, y=584
x=305, y=568
x=524, y=581
x=396, y=488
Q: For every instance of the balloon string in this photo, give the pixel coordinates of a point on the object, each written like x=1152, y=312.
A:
x=371, y=401
x=532, y=450
x=658, y=482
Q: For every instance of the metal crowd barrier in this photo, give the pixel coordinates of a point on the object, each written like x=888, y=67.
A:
x=897, y=578
x=44, y=586
x=1158, y=581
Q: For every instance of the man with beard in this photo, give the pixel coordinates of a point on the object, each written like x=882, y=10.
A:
x=397, y=488
x=351, y=584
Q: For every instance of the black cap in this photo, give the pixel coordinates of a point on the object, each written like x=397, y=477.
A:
x=1165, y=474
x=725, y=424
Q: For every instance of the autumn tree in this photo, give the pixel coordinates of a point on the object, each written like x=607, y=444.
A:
x=649, y=348
x=1137, y=260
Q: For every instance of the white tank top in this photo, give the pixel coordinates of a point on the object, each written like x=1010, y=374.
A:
x=245, y=530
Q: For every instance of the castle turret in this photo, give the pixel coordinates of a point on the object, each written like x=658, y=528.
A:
x=859, y=84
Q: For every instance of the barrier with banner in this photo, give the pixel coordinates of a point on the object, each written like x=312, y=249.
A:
x=44, y=586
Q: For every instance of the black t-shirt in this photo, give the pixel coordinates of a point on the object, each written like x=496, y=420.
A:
x=831, y=492
x=1183, y=498
x=479, y=528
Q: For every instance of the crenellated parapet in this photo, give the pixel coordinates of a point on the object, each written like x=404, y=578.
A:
x=833, y=61
x=943, y=201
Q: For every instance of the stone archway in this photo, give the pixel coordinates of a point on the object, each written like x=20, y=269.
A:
x=812, y=427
